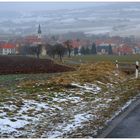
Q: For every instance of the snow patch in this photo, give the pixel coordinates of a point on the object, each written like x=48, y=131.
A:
x=71, y=99
x=10, y=124
x=31, y=104
x=88, y=87
x=7, y=125
x=71, y=126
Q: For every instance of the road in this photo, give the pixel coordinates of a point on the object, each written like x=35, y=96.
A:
x=127, y=125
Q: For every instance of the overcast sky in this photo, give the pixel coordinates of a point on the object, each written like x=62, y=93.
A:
x=8, y=6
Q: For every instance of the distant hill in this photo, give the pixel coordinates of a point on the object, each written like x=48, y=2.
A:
x=102, y=18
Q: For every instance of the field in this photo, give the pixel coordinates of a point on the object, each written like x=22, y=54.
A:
x=76, y=104
x=21, y=64
x=96, y=58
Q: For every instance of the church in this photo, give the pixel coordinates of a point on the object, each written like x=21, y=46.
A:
x=40, y=42
x=33, y=41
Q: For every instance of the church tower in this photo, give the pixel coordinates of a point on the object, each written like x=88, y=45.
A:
x=39, y=32
x=40, y=44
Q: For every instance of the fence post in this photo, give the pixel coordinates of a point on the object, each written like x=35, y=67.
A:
x=137, y=69
x=117, y=66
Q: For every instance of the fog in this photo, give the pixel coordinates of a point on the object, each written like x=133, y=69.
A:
x=22, y=18
x=39, y=6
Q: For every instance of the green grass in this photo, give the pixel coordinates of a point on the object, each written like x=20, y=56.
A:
x=112, y=58
x=94, y=58
x=12, y=80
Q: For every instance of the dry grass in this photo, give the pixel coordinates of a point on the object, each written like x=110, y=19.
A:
x=103, y=105
x=101, y=71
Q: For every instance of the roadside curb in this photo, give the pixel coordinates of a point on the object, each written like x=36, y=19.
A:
x=119, y=118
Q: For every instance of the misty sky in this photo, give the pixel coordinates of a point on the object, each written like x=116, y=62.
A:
x=14, y=6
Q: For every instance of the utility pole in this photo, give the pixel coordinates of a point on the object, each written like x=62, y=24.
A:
x=137, y=69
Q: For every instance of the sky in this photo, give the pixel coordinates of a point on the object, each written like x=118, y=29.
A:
x=15, y=6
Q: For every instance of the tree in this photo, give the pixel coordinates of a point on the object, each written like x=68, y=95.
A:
x=76, y=51
x=110, y=50
x=82, y=50
x=93, y=49
x=38, y=50
x=54, y=38
x=51, y=50
x=30, y=50
x=23, y=50
x=60, y=50
x=87, y=50
x=69, y=47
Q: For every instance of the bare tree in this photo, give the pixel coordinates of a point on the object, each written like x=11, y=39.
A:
x=60, y=50
x=69, y=47
x=51, y=50
x=38, y=50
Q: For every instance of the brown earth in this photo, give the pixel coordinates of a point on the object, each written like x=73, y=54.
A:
x=22, y=64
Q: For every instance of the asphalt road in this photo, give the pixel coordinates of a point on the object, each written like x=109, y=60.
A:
x=129, y=127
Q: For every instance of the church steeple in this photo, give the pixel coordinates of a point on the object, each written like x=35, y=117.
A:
x=39, y=31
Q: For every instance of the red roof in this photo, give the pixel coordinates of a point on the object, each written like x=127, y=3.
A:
x=8, y=46
x=125, y=49
x=75, y=44
x=112, y=40
x=32, y=39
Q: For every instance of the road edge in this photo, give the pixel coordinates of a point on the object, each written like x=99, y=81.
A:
x=118, y=119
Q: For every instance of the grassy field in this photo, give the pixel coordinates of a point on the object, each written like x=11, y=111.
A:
x=73, y=104
x=112, y=58
x=74, y=60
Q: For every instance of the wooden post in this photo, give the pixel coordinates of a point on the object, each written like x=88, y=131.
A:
x=137, y=69
x=117, y=66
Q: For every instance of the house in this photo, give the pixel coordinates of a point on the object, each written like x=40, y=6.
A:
x=7, y=48
x=104, y=49
x=124, y=49
x=76, y=46
x=136, y=50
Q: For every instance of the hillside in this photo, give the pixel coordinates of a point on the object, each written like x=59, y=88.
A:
x=72, y=105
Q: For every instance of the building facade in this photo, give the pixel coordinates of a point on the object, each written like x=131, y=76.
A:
x=7, y=49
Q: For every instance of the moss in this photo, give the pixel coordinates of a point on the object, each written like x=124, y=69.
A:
x=1, y=117
x=10, y=113
x=31, y=111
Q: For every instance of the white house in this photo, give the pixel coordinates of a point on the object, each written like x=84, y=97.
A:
x=7, y=48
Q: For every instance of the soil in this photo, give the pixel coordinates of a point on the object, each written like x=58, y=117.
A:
x=25, y=65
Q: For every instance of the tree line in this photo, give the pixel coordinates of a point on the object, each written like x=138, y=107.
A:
x=59, y=50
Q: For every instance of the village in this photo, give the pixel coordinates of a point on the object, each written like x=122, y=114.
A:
x=106, y=45
x=69, y=83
